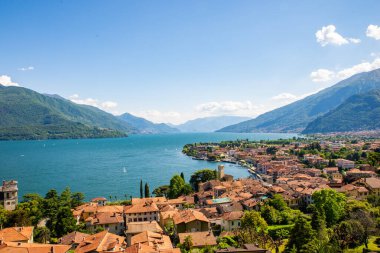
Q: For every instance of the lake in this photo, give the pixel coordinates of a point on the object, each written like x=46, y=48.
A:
x=109, y=167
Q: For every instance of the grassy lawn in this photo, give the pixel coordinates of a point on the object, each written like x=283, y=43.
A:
x=279, y=226
x=371, y=246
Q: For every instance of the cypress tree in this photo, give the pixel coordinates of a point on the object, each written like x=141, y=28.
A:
x=147, y=192
x=141, y=189
x=183, y=176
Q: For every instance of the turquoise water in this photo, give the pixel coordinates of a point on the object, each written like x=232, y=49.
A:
x=104, y=167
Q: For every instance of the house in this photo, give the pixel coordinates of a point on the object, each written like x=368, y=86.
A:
x=158, y=241
x=156, y=200
x=345, y=164
x=113, y=222
x=231, y=221
x=9, y=195
x=199, y=239
x=17, y=234
x=190, y=221
x=101, y=242
x=142, y=248
x=18, y=247
x=247, y=248
x=330, y=170
x=373, y=185
x=358, y=192
x=134, y=228
x=73, y=239
x=166, y=215
x=146, y=211
x=101, y=201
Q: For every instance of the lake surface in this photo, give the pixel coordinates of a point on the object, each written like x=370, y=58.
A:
x=109, y=167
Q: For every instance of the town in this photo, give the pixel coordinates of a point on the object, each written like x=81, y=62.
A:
x=302, y=195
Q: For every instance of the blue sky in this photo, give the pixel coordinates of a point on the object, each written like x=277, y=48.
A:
x=171, y=61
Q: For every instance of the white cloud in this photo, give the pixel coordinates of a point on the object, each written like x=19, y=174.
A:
x=328, y=35
x=373, y=31
x=322, y=75
x=108, y=106
x=284, y=96
x=246, y=108
x=159, y=116
x=29, y=68
x=7, y=81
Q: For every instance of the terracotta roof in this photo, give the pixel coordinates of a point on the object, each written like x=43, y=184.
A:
x=141, y=248
x=141, y=208
x=105, y=218
x=74, y=237
x=186, y=216
x=199, y=239
x=141, y=226
x=155, y=240
x=110, y=209
x=99, y=199
x=372, y=182
x=16, y=234
x=136, y=201
x=101, y=242
x=236, y=215
x=16, y=247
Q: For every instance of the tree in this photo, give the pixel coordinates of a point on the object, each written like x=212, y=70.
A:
x=301, y=235
x=349, y=233
x=65, y=197
x=183, y=176
x=332, y=203
x=278, y=202
x=187, y=243
x=367, y=221
x=77, y=199
x=202, y=176
x=253, y=229
x=141, y=189
x=147, y=191
x=3, y=216
x=42, y=234
x=161, y=191
x=178, y=187
x=65, y=222
x=271, y=150
x=277, y=237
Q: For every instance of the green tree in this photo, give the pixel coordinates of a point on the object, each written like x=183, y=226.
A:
x=178, y=187
x=65, y=222
x=278, y=202
x=332, y=203
x=349, y=233
x=161, y=191
x=147, y=191
x=301, y=236
x=77, y=199
x=202, y=176
x=253, y=229
x=42, y=234
x=3, y=216
x=183, y=176
x=141, y=189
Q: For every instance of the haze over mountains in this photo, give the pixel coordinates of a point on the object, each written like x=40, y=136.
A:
x=209, y=124
x=296, y=116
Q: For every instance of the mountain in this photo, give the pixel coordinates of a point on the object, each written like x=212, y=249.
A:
x=26, y=114
x=357, y=113
x=296, y=116
x=209, y=124
x=146, y=126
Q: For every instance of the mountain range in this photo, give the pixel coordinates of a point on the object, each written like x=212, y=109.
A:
x=358, y=113
x=296, y=116
x=145, y=126
x=209, y=124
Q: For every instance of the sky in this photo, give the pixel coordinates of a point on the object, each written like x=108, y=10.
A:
x=171, y=61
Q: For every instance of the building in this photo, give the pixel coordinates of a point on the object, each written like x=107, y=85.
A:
x=113, y=222
x=147, y=211
x=134, y=228
x=199, y=239
x=231, y=221
x=9, y=195
x=158, y=241
x=73, y=239
x=101, y=201
x=186, y=221
x=101, y=242
x=18, y=247
x=373, y=185
x=345, y=164
x=17, y=234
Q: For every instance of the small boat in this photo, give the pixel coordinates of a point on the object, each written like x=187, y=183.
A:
x=124, y=170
